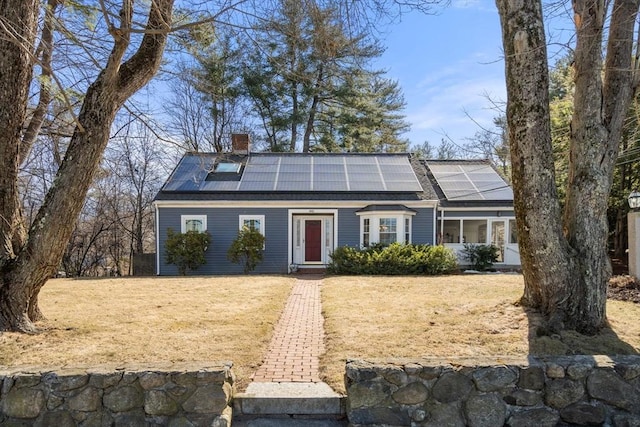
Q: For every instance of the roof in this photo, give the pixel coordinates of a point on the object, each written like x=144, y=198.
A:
x=468, y=183
x=386, y=208
x=297, y=176
x=378, y=177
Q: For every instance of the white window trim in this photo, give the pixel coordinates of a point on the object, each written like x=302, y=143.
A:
x=374, y=225
x=243, y=218
x=185, y=218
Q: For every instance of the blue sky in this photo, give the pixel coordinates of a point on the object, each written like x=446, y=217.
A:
x=447, y=64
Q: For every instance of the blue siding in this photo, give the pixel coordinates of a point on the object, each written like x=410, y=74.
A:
x=222, y=224
x=348, y=227
x=423, y=227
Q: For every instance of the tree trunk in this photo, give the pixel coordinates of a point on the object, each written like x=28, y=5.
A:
x=566, y=270
x=294, y=118
x=15, y=78
x=306, y=144
x=39, y=258
x=596, y=129
x=544, y=252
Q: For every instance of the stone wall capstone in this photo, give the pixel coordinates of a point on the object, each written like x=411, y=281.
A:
x=172, y=395
x=491, y=392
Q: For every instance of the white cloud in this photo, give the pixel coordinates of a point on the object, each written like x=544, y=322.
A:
x=464, y=4
x=473, y=4
x=449, y=100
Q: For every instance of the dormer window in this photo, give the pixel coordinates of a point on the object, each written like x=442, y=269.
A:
x=227, y=167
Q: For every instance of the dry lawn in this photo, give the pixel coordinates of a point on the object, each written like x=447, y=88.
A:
x=470, y=315
x=153, y=320
x=159, y=320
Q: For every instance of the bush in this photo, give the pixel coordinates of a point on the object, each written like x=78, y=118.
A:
x=186, y=250
x=481, y=257
x=395, y=259
x=247, y=248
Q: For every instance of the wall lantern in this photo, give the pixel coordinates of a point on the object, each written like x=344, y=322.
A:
x=634, y=200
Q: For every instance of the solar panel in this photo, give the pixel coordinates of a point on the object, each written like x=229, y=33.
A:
x=327, y=185
x=255, y=186
x=360, y=160
x=327, y=168
x=297, y=159
x=251, y=175
x=218, y=186
x=301, y=172
x=293, y=186
x=470, y=181
x=264, y=160
x=190, y=172
x=328, y=160
x=295, y=168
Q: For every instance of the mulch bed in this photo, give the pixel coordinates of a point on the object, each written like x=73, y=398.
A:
x=624, y=288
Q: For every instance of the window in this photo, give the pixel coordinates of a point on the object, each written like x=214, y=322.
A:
x=407, y=231
x=193, y=223
x=254, y=222
x=385, y=228
x=474, y=231
x=388, y=232
x=227, y=168
x=451, y=231
x=464, y=231
x=366, y=233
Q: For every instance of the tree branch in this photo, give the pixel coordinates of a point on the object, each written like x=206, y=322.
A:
x=44, y=96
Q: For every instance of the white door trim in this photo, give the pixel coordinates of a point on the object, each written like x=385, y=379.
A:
x=315, y=214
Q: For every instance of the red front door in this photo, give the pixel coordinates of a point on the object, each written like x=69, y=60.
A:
x=313, y=240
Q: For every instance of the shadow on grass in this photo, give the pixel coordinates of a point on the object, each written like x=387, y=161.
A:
x=567, y=343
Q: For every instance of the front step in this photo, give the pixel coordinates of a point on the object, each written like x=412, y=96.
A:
x=288, y=405
x=287, y=422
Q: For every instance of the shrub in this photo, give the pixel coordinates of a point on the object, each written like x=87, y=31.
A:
x=186, y=250
x=395, y=259
x=247, y=248
x=481, y=257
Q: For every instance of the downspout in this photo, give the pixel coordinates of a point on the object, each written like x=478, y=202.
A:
x=157, y=214
x=442, y=226
x=435, y=224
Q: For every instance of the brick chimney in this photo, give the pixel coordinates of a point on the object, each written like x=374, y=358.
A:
x=240, y=143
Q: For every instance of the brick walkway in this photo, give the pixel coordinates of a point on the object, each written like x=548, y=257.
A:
x=298, y=337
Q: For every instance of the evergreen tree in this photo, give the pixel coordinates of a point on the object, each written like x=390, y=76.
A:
x=366, y=117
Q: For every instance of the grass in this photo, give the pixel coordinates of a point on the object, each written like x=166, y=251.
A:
x=152, y=320
x=158, y=320
x=466, y=315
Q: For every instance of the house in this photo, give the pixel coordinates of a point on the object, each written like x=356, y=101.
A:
x=306, y=205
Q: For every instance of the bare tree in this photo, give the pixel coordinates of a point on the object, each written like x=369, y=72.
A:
x=28, y=260
x=135, y=161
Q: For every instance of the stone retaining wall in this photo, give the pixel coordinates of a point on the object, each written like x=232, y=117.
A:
x=554, y=391
x=175, y=395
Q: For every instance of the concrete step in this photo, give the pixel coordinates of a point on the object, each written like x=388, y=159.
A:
x=288, y=422
x=288, y=405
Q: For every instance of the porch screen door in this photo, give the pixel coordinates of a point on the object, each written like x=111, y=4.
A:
x=498, y=238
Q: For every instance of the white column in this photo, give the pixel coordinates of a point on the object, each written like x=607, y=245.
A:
x=633, y=224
